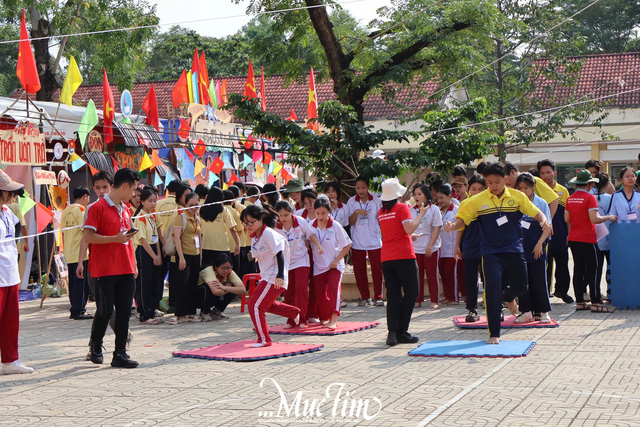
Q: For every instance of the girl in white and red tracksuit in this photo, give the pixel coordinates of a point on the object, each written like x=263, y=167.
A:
x=271, y=250
x=297, y=231
x=329, y=263
x=447, y=262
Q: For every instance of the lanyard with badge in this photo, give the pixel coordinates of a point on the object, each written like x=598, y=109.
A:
x=631, y=215
x=502, y=219
x=288, y=234
x=7, y=223
x=154, y=232
x=364, y=220
x=321, y=237
x=196, y=237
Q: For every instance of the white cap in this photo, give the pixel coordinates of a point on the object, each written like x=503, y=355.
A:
x=392, y=189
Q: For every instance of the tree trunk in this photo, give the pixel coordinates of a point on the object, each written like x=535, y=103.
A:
x=40, y=27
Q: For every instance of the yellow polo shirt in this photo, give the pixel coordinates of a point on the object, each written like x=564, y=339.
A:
x=238, y=227
x=166, y=213
x=72, y=216
x=148, y=229
x=214, y=233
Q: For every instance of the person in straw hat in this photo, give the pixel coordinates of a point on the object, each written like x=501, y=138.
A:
x=399, y=265
x=9, y=281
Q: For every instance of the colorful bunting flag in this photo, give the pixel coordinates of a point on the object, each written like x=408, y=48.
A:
x=198, y=167
x=212, y=179
x=217, y=165
x=259, y=169
x=92, y=169
x=199, y=149
x=212, y=94
x=88, y=122
x=26, y=69
x=77, y=164
x=157, y=179
x=276, y=167
x=256, y=156
x=44, y=216
x=271, y=179
x=250, y=85
x=108, y=108
x=116, y=165
x=247, y=161
x=286, y=176
x=72, y=82
x=168, y=178
x=150, y=106
x=312, y=104
x=190, y=87
x=194, y=85
x=155, y=158
x=184, y=130
x=266, y=158
x=233, y=178
x=249, y=142
x=25, y=203
x=225, y=186
x=146, y=162
x=180, y=92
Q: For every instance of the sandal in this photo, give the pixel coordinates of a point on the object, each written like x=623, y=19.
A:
x=173, y=321
x=583, y=306
x=600, y=308
x=523, y=318
x=152, y=321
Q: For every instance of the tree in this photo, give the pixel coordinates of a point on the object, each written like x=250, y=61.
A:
x=412, y=41
x=122, y=53
x=172, y=52
x=8, y=58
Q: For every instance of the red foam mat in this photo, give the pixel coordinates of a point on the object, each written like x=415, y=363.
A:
x=508, y=323
x=318, y=329
x=241, y=351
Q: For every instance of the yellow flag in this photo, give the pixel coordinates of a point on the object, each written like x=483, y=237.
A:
x=259, y=169
x=198, y=167
x=146, y=162
x=276, y=168
x=71, y=82
x=190, y=87
x=225, y=186
x=74, y=157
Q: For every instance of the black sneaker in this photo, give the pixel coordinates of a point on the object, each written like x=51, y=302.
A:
x=95, y=354
x=122, y=360
x=566, y=298
x=407, y=338
x=472, y=317
x=392, y=339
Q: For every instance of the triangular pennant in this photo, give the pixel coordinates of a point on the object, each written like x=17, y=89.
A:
x=168, y=178
x=92, y=169
x=212, y=179
x=225, y=186
x=198, y=167
x=266, y=158
x=271, y=179
x=74, y=157
x=249, y=142
x=155, y=158
x=270, y=168
x=233, y=178
x=44, y=216
x=116, y=165
x=276, y=167
x=157, y=179
x=77, y=164
x=256, y=156
x=259, y=169
x=217, y=165
x=247, y=161
x=26, y=203
x=199, y=149
x=146, y=162
x=286, y=176
x=189, y=154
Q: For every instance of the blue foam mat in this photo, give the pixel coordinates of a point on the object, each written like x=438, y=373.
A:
x=475, y=348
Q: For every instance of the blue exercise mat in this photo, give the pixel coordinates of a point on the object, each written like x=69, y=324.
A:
x=473, y=349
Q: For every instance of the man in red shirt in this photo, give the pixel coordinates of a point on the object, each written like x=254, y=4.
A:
x=112, y=265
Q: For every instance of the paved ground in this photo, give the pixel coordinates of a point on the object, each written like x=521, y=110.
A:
x=586, y=372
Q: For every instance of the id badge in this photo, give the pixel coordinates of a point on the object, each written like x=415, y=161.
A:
x=364, y=221
x=525, y=224
x=154, y=239
x=502, y=220
x=632, y=216
x=196, y=240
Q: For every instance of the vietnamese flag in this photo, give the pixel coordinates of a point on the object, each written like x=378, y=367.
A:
x=26, y=70
x=180, y=92
x=203, y=81
x=200, y=148
x=150, y=106
x=108, y=108
x=292, y=116
x=250, y=85
x=184, y=130
x=263, y=98
x=312, y=104
x=216, y=166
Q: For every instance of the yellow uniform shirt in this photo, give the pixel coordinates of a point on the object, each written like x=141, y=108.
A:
x=166, y=213
x=238, y=227
x=148, y=229
x=209, y=275
x=544, y=191
x=72, y=216
x=189, y=234
x=562, y=192
x=214, y=233
x=245, y=238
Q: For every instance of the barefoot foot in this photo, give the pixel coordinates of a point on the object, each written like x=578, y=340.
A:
x=332, y=325
x=493, y=340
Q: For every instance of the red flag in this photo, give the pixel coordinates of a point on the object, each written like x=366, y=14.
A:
x=234, y=178
x=263, y=98
x=200, y=148
x=92, y=169
x=116, y=165
x=217, y=165
x=184, y=130
x=108, y=108
x=286, y=176
x=249, y=142
x=150, y=106
x=271, y=179
x=203, y=81
x=266, y=158
x=44, y=215
x=250, y=85
x=180, y=93
x=26, y=70
x=312, y=104
x=292, y=116
x=255, y=155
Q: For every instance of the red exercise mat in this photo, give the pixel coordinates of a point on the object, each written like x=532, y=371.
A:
x=241, y=351
x=318, y=329
x=508, y=323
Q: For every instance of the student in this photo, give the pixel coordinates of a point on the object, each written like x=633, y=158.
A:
x=216, y=222
x=187, y=234
x=399, y=260
x=253, y=196
x=112, y=264
x=542, y=189
x=308, y=198
x=201, y=190
x=535, y=248
x=272, y=253
x=447, y=260
x=338, y=210
x=581, y=216
x=625, y=203
x=468, y=248
x=297, y=231
x=246, y=263
x=73, y=218
x=270, y=194
x=134, y=202
x=328, y=265
x=604, y=201
x=150, y=280
x=294, y=192
x=595, y=166
x=218, y=285
x=426, y=243
x=365, y=234
x=182, y=191
x=234, y=241
x=558, y=252
x=498, y=211
x=9, y=281
x=461, y=186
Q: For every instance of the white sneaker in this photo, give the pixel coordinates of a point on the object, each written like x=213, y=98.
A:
x=15, y=367
x=313, y=320
x=545, y=318
x=343, y=304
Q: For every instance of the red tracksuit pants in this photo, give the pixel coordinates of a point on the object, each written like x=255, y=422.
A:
x=9, y=323
x=263, y=301
x=297, y=293
x=428, y=265
x=448, y=275
x=359, y=259
x=327, y=287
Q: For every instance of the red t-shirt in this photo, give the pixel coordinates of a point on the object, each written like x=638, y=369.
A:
x=109, y=259
x=396, y=243
x=578, y=205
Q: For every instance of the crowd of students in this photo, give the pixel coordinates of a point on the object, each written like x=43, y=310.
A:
x=512, y=230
